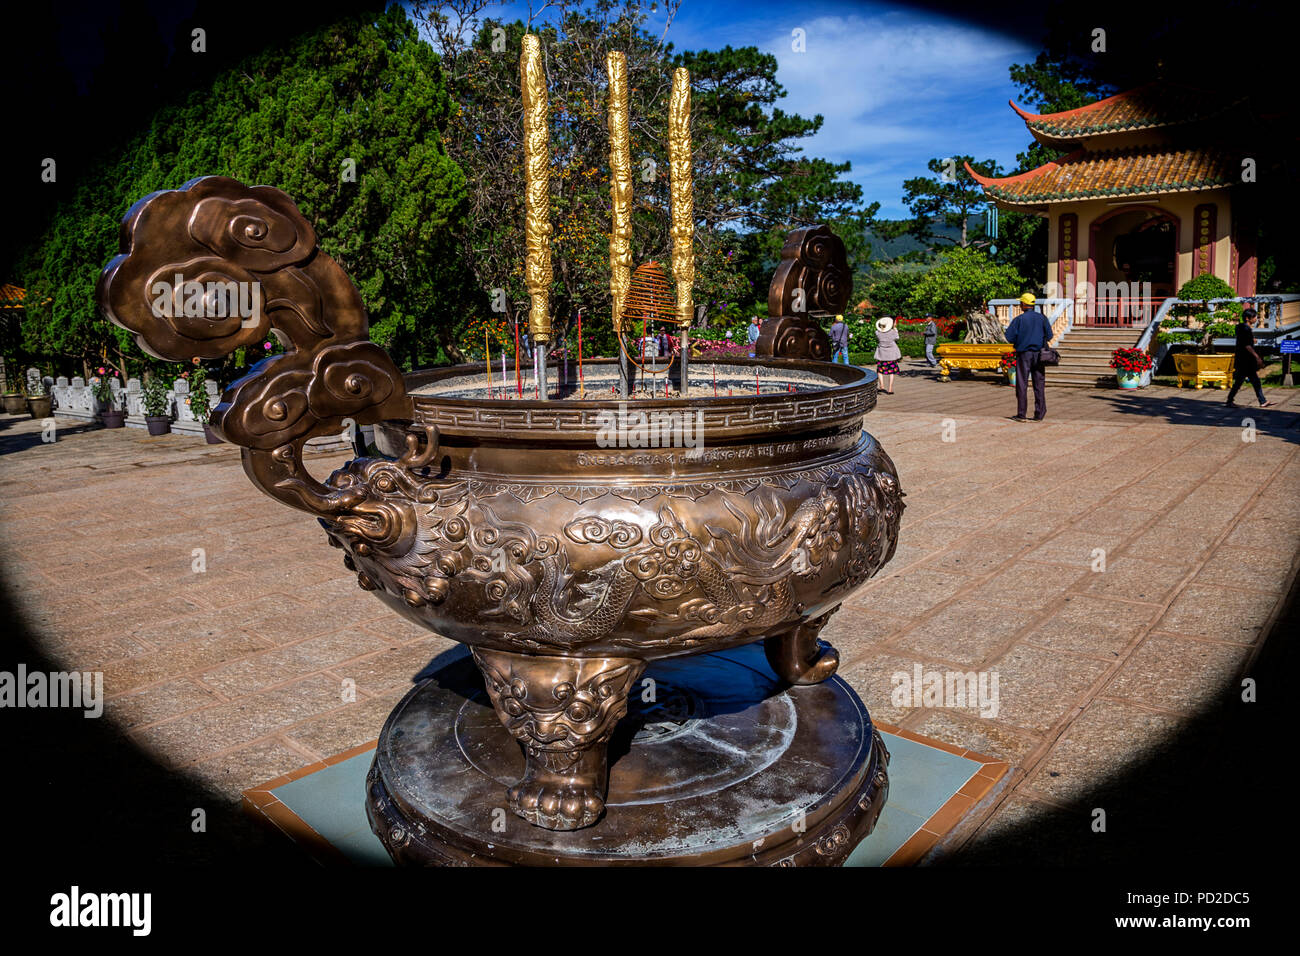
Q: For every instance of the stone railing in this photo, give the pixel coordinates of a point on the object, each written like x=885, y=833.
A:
x=76, y=399
x=1059, y=312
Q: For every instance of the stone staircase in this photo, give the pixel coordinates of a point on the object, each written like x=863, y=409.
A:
x=1085, y=357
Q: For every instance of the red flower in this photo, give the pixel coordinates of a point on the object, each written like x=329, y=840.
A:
x=1131, y=360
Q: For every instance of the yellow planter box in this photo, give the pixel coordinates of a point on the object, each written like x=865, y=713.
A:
x=1201, y=370
x=962, y=355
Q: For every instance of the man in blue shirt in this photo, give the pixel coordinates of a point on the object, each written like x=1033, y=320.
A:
x=755, y=329
x=1029, y=333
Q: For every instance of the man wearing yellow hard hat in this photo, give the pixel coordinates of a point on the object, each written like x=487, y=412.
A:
x=1029, y=333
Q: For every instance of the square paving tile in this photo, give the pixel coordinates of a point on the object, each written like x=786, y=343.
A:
x=1179, y=674
x=1092, y=626
x=910, y=593
x=1133, y=579
x=1037, y=688
x=1089, y=759
x=1223, y=614
x=1254, y=568
x=964, y=632
x=1028, y=585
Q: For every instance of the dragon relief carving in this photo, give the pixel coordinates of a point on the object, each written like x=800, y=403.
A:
x=612, y=580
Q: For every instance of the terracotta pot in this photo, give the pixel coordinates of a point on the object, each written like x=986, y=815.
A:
x=112, y=418
x=158, y=424
x=15, y=403
x=40, y=407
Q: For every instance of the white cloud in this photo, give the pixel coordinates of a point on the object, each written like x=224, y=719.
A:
x=896, y=89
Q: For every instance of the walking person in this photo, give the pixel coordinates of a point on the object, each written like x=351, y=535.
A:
x=931, y=332
x=839, y=340
x=887, y=354
x=1246, y=362
x=755, y=329
x=1029, y=333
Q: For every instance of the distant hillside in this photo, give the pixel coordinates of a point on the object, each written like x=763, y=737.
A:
x=885, y=249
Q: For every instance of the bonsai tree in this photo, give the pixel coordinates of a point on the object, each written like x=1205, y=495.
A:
x=154, y=398
x=1202, y=328
x=1204, y=288
x=1199, y=325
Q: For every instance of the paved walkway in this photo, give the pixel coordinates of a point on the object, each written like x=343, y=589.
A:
x=237, y=673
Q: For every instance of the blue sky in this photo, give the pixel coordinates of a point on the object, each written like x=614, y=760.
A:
x=896, y=85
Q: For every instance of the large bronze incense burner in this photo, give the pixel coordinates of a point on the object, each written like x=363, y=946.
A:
x=592, y=551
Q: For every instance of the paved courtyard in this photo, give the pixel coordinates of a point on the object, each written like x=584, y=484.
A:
x=234, y=674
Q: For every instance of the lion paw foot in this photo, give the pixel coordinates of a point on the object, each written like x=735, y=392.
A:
x=559, y=804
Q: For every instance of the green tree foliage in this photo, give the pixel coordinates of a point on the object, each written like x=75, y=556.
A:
x=963, y=280
x=1063, y=76
x=951, y=197
x=1022, y=244
x=362, y=93
x=752, y=183
x=889, y=288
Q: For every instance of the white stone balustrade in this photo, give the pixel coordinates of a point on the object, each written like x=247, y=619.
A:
x=76, y=400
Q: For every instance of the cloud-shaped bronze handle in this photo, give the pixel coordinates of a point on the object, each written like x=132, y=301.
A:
x=216, y=265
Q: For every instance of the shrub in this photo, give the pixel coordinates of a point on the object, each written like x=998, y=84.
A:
x=154, y=398
x=964, y=280
x=198, y=400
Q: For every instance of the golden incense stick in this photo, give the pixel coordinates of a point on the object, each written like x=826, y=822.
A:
x=683, y=200
x=620, y=188
x=537, y=174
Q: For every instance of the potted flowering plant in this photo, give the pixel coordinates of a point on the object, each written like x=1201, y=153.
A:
x=1129, y=364
x=157, y=410
x=110, y=416
x=1007, y=366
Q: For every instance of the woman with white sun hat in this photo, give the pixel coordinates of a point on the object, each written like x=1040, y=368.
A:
x=887, y=354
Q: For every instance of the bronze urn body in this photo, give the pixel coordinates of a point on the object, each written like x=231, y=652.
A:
x=565, y=555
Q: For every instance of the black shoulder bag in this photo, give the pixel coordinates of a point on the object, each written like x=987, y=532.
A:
x=1046, y=355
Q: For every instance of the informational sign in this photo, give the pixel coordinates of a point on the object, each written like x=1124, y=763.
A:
x=1289, y=346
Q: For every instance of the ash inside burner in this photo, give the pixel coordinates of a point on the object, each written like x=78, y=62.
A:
x=601, y=384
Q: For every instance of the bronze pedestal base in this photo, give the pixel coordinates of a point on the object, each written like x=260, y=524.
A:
x=716, y=763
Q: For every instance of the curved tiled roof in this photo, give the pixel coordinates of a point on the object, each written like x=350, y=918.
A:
x=11, y=296
x=1150, y=106
x=1117, y=173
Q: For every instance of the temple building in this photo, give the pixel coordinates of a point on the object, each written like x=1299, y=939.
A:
x=1146, y=194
